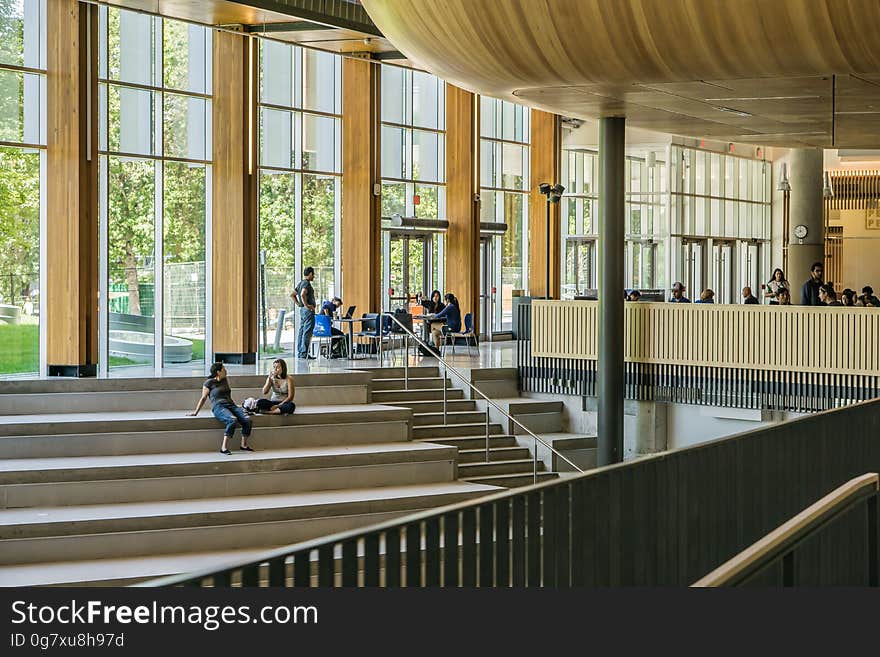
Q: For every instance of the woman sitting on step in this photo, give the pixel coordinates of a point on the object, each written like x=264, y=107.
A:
x=224, y=409
x=283, y=389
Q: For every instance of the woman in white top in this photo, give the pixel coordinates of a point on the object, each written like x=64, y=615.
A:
x=281, y=384
x=777, y=282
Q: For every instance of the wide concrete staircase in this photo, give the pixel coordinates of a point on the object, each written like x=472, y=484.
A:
x=107, y=482
x=509, y=464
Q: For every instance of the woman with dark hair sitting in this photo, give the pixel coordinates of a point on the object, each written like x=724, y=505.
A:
x=280, y=382
x=452, y=314
x=224, y=409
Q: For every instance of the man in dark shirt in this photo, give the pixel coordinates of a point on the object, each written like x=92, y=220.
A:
x=678, y=294
x=304, y=297
x=329, y=308
x=748, y=297
x=810, y=289
x=868, y=298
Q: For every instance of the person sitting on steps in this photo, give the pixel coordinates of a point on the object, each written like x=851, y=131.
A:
x=283, y=389
x=224, y=409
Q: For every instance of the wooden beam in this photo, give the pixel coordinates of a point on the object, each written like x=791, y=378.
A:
x=71, y=237
x=463, y=236
x=361, y=208
x=544, y=167
x=234, y=216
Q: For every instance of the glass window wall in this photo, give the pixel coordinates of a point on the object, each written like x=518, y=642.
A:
x=155, y=167
x=23, y=165
x=300, y=184
x=504, y=198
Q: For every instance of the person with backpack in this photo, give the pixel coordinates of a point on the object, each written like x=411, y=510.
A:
x=304, y=297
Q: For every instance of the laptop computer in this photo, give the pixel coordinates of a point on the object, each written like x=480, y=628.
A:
x=349, y=313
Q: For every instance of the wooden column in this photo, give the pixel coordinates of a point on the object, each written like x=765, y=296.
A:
x=234, y=215
x=462, y=184
x=361, y=208
x=546, y=140
x=71, y=237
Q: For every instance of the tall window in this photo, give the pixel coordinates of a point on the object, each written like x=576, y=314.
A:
x=413, y=145
x=22, y=161
x=155, y=142
x=646, y=227
x=504, y=187
x=579, y=222
x=300, y=184
x=720, y=208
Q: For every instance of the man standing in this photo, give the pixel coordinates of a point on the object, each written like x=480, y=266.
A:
x=304, y=297
x=678, y=294
x=810, y=290
x=748, y=297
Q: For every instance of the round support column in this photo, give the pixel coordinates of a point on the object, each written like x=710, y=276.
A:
x=806, y=205
x=610, y=370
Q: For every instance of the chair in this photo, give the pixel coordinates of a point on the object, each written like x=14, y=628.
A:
x=323, y=331
x=468, y=334
x=370, y=328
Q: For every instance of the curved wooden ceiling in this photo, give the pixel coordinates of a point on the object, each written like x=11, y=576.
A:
x=776, y=72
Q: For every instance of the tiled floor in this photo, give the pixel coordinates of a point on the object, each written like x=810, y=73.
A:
x=495, y=354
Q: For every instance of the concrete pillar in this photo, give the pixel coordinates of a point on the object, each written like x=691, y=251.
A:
x=805, y=176
x=609, y=382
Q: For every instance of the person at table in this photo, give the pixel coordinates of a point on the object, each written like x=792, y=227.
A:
x=776, y=283
x=435, y=303
x=331, y=308
x=452, y=316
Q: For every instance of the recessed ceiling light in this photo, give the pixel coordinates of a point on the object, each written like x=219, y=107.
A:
x=733, y=111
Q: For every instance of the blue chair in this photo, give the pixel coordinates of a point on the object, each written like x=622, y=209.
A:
x=468, y=334
x=370, y=328
x=324, y=331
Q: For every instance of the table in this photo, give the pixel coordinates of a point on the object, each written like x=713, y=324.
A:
x=426, y=321
x=350, y=321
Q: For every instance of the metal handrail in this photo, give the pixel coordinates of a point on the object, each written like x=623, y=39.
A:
x=447, y=367
x=782, y=541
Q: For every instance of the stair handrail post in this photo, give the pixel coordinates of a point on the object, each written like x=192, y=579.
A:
x=487, y=433
x=535, y=465
x=510, y=418
x=444, y=393
x=406, y=365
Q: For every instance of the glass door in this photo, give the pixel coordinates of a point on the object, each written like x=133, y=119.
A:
x=409, y=269
x=693, y=267
x=750, y=266
x=487, y=318
x=580, y=268
x=722, y=273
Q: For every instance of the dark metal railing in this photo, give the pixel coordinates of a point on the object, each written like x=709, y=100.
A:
x=662, y=520
x=780, y=548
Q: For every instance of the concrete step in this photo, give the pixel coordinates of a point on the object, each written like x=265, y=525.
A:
x=515, y=466
x=201, y=440
x=324, y=389
x=463, y=429
x=538, y=423
x=176, y=420
x=495, y=454
x=432, y=406
x=155, y=478
x=512, y=480
x=413, y=384
x=474, y=442
x=454, y=417
x=394, y=396
x=138, y=466
x=128, y=530
x=419, y=371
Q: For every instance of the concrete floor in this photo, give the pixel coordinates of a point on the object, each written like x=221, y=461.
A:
x=495, y=354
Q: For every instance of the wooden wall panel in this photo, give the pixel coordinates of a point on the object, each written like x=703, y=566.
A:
x=361, y=246
x=234, y=218
x=462, y=167
x=728, y=336
x=544, y=167
x=71, y=237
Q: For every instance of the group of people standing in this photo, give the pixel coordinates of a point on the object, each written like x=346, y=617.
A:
x=814, y=292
